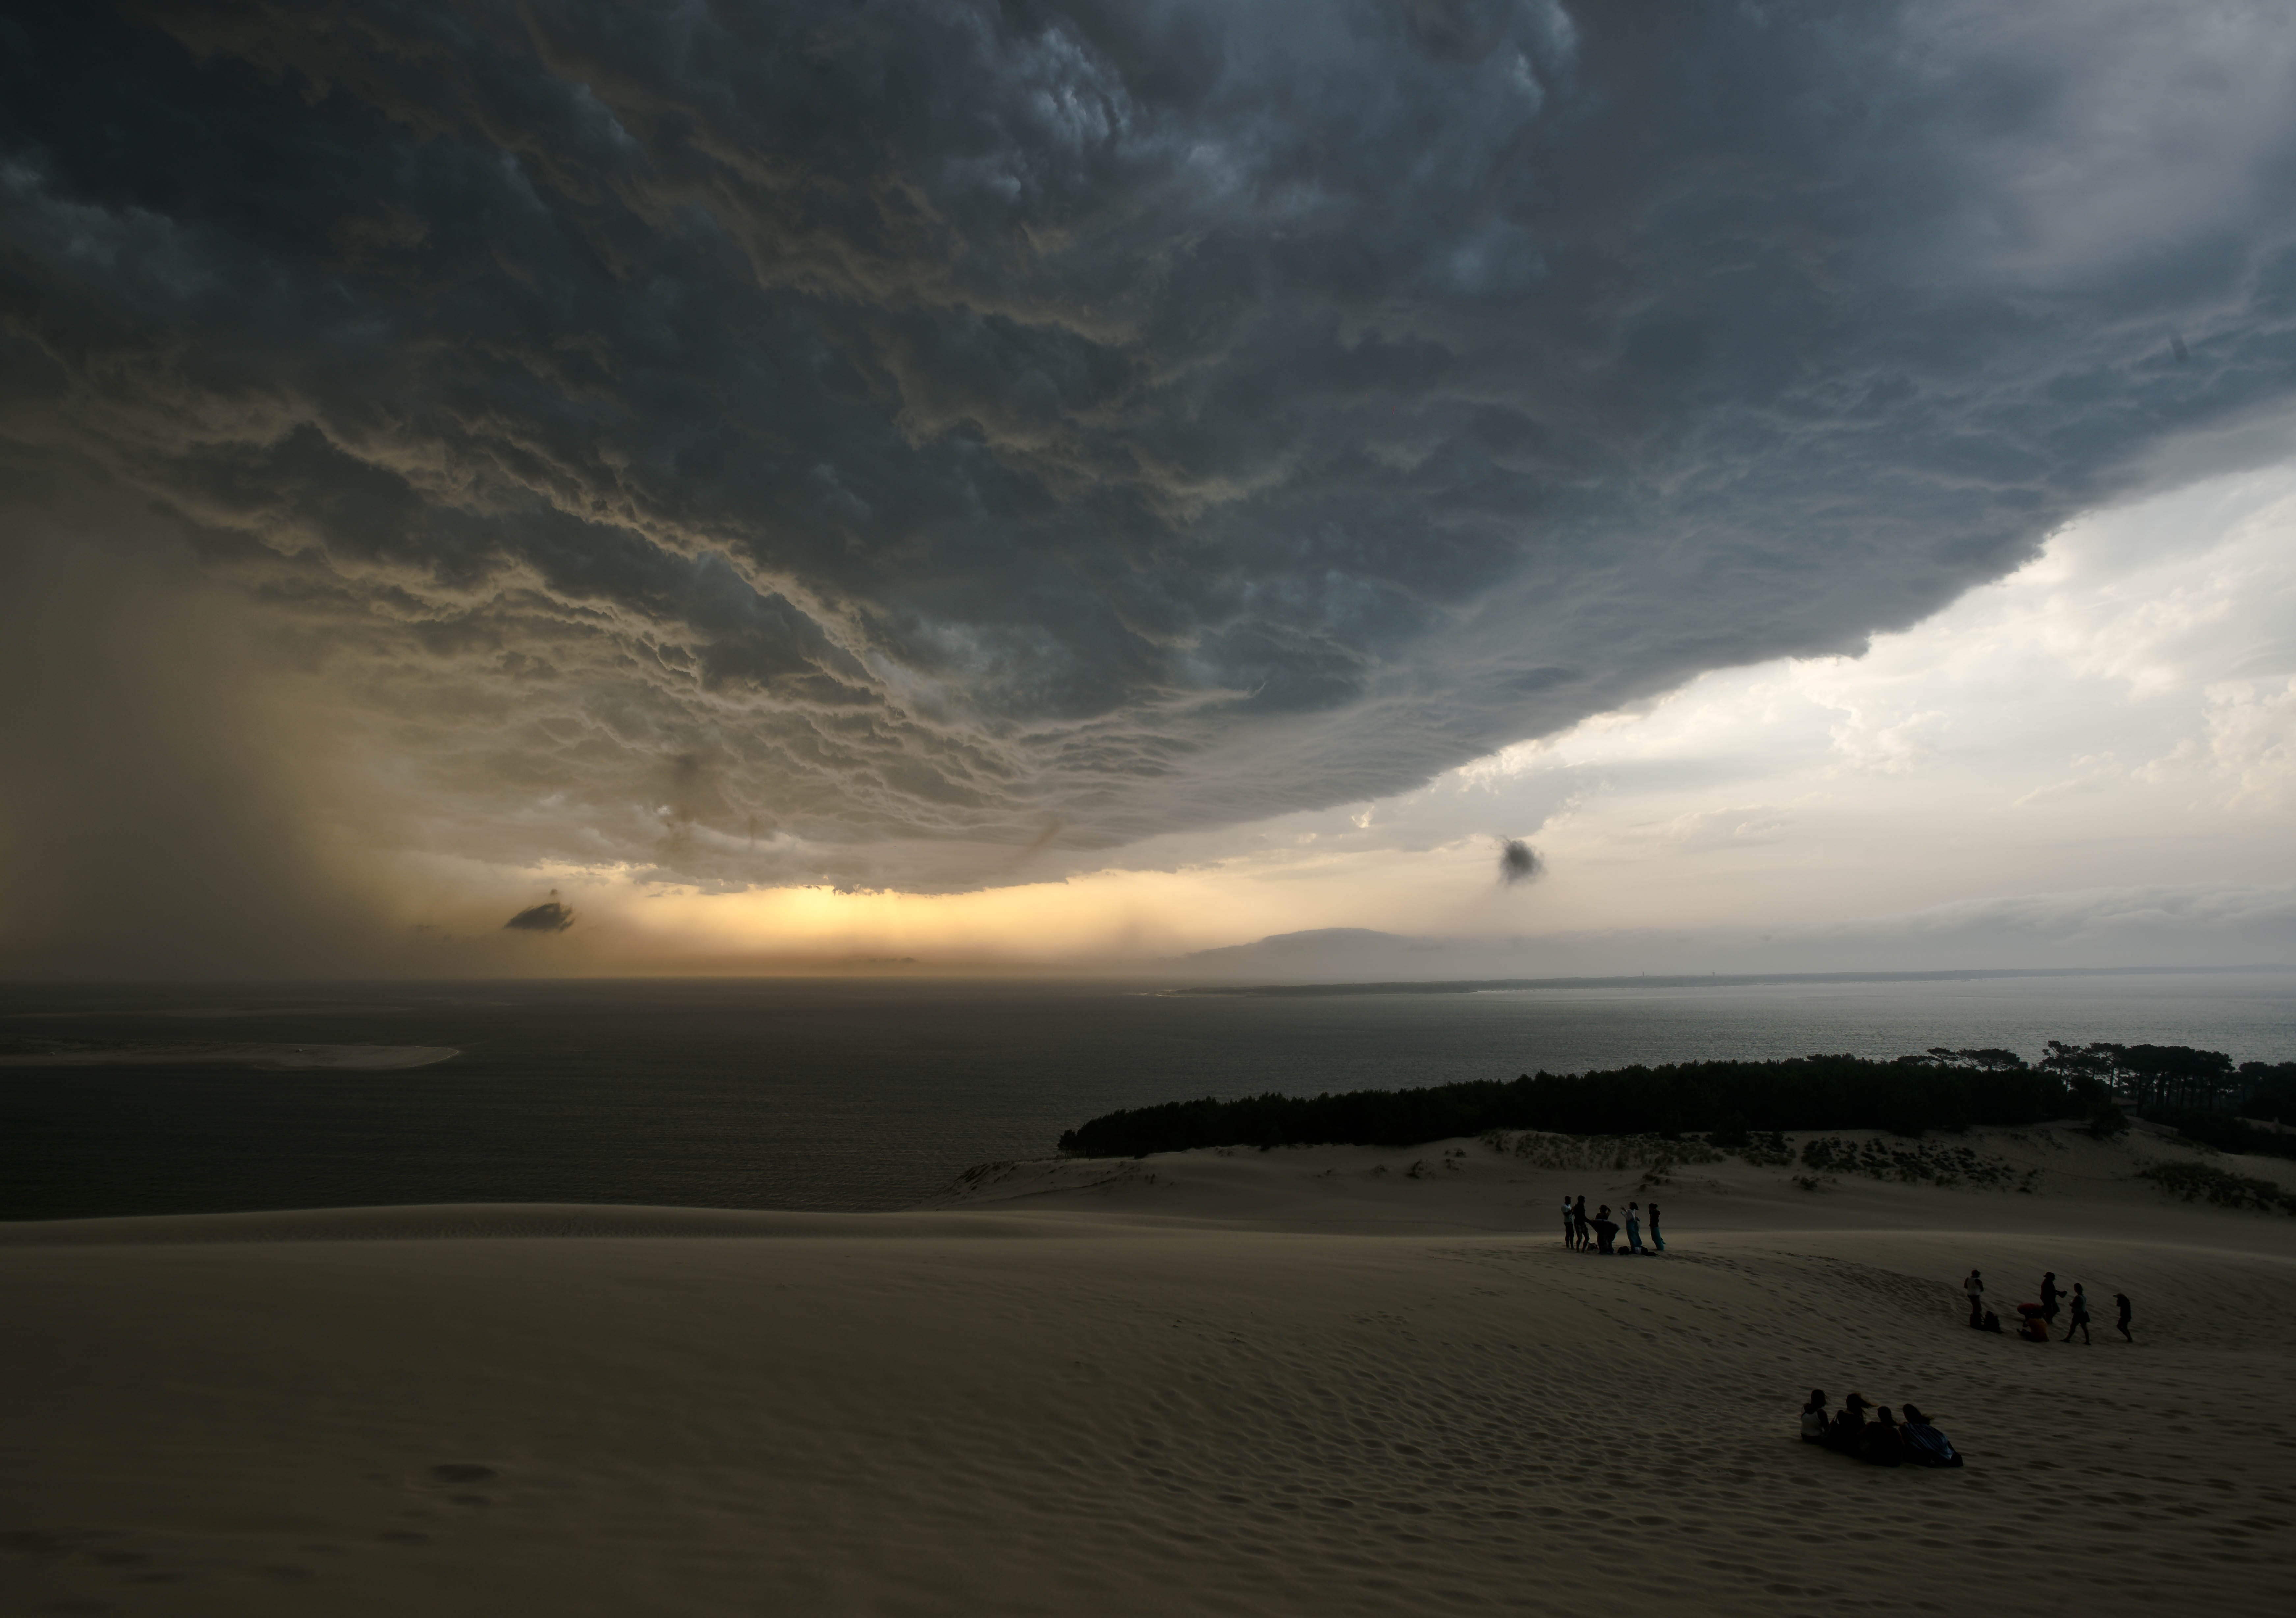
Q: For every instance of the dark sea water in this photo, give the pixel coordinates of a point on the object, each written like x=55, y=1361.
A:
x=854, y=1094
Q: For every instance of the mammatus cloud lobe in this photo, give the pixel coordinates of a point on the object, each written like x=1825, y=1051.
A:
x=895, y=444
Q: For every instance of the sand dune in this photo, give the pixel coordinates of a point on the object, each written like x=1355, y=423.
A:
x=1257, y=1382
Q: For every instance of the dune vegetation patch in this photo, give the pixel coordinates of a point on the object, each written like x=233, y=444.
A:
x=1541, y=1149
x=1911, y=1162
x=2198, y=1182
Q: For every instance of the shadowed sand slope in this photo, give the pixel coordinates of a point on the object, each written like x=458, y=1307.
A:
x=1165, y=1411
x=152, y=1053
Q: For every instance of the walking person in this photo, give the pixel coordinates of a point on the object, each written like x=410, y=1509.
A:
x=1634, y=1228
x=1658, y=1242
x=1975, y=1288
x=2079, y=1321
x=2050, y=1292
x=2121, y=1301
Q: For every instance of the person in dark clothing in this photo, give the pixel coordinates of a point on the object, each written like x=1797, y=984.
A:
x=2121, y=1301
x=1925, y=1446
x=1658, y=1242
x=1570, y=1226
x=1579, y=1213
x=1975, y=1289
x=1814, y=1417
x=1848, y=1432
x=2079, y=1321
x=2050, y=1293
x=1606, y=1229
x=1883, y=1445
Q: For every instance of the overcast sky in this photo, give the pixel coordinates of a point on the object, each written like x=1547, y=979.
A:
x=1063, y=482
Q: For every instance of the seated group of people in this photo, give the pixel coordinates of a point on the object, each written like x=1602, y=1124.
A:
x=1884, y=1440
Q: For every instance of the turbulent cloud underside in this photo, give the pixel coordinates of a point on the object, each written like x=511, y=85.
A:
x=885, y=443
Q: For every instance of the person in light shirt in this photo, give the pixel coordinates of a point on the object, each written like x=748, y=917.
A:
x=2079, y=1321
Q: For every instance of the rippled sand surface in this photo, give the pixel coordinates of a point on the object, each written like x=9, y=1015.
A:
x=1299, y=1382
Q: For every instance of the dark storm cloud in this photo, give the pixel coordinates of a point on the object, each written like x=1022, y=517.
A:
x=549, y=916
x=791, y=442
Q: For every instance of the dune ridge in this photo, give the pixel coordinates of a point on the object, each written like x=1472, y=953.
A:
x=469, y=1222
x=210, y=1053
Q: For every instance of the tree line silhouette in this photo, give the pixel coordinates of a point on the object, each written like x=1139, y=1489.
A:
x=1941, y=1088
x=2158, y=1075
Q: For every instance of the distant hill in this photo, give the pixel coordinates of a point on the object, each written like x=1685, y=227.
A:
x=2221, y=926
x=1315, y=943
x=1356, y=954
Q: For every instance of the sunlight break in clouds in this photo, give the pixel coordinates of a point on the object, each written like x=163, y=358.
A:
x=2113, y=714
x=2090, y=723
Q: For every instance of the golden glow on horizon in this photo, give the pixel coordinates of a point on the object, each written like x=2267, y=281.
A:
x=1112, y=914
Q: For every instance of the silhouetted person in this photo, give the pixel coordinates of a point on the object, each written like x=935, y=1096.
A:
x=1924, y=1444
x=1634, y=1228
x=2050, y=1293
x=1570, y=1226
x=1847, y=1433
x=1883, y=1444
x=2079, y=1321
x=1975, y=1288
x=1658, y=1242
x=1606, y=1229
x=2121, y=1301
x=1813, y=1417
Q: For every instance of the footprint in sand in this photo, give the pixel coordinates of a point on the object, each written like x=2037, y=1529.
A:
x=464, y=1472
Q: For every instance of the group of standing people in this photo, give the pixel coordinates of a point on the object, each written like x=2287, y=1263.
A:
x=1600, y=1232
x=2040, y=1319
